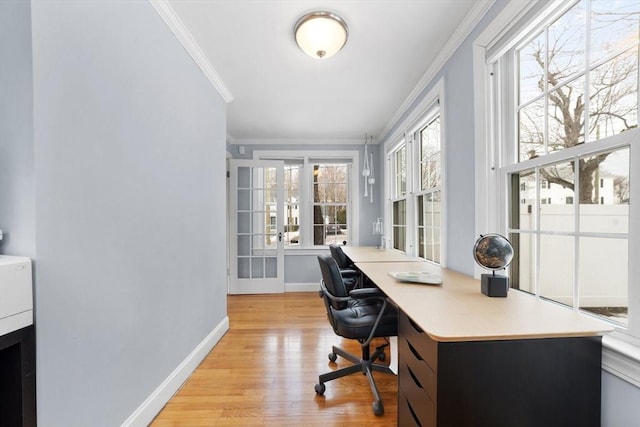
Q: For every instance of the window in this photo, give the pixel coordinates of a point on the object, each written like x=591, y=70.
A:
x=429, y=196
x=292, y=203
x=399, y=213
x=414, y=171
x=576, y=114
x=317, y=196
x=330, y=208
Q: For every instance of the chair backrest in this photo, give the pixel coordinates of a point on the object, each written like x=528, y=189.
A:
x=332, y=278
x=338, y=254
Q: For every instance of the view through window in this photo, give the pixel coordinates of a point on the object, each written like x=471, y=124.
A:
x=415, y=170
x=576, y=107
x=317, y=198
x=429, y=196
x=399, y=214
x=330, y=207
x=292, y=203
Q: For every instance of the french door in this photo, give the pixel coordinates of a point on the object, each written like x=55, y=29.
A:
x=256, y=220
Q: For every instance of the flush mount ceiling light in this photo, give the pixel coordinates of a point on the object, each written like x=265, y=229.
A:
x=321, y=34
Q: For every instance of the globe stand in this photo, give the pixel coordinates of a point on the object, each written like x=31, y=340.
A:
x=494, y=285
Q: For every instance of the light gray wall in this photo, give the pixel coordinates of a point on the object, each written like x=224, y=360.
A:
x=304, y=268
x=130, y=208
x=460, y=160
x=17, y=197
x=620, y=402
x=459, y=139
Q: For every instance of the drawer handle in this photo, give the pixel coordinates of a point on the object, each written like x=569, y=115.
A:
x=415, y=352
x=413, y=414
x=415, y=379
x=414, y=326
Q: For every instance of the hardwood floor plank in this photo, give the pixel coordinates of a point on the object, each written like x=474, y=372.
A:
x=262, y=372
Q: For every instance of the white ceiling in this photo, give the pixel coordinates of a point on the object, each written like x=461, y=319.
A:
x=282, y=95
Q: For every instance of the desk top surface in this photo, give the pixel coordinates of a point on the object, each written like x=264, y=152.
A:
x=458, y=311
x=371, y=254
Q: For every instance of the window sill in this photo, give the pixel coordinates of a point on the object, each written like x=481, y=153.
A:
x=621, y=359
x=297, y=251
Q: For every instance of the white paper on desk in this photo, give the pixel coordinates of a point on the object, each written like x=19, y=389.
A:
x=417, y=277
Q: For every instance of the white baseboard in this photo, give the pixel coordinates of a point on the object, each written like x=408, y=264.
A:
x=153, y=404
x=621, y=359
x=302, y=287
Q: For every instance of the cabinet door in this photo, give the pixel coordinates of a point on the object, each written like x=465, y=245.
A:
x=550, y=382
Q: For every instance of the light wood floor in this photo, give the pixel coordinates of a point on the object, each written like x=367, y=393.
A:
x=264, y=369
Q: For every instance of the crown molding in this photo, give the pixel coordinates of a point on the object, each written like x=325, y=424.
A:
x=479, y=9
x=173, y=21
x=298, y=141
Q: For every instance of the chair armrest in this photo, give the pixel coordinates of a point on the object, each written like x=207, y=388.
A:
x=325, y=292
x=361, y=293
x=348, y=272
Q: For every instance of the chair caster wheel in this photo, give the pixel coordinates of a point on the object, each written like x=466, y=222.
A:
x=378, y=409
x=320, y=388
x=382, y=356
x=333, y=357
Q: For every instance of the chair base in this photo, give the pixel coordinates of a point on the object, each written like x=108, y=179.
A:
x=366, y=366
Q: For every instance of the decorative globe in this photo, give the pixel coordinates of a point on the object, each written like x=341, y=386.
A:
x=493, y=251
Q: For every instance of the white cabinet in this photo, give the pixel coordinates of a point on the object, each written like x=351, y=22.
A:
x=16, y=293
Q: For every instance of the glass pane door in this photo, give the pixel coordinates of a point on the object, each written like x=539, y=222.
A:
x=257, y=256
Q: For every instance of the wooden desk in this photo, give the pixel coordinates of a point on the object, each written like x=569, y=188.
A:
x=466, y=359
x=372, y=254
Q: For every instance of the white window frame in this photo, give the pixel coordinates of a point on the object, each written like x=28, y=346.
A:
x=395, y=195
x=430, y=106
x=431, y=115
x=308, y=158
x=621, y=349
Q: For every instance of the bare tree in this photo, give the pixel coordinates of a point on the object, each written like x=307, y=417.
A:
x=621, y=184
x=612, y=97
x=430, y=151
x=318, y=232
x=329, y=191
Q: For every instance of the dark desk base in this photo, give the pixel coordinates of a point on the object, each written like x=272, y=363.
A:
x=529, y=382
x=18, y=378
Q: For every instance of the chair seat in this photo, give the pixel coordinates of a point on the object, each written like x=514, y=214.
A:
x=358, y=318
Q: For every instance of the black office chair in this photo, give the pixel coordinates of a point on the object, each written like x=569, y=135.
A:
x=359, y=314
x=347, y=269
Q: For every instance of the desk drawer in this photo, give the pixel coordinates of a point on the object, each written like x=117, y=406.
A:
x=406, y=416
x=423, y=375
x=421, y=409
x=426, y=348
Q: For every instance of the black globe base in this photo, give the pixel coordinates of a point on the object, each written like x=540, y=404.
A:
x=494, y=285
